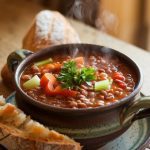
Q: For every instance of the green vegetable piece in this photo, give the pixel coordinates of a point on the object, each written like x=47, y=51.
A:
x=43, y=62
x=72, y=77
x=87, y=74
x=32, y=83
x=68, y=74
x=102, y=85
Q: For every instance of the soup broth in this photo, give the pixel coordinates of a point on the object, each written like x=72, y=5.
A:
x=77, y=83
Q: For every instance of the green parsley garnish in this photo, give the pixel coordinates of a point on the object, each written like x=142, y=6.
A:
x=71, y=77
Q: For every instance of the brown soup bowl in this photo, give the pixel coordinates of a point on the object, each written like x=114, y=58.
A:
x=92, y=127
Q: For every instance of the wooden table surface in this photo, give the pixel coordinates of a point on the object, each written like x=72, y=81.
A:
x=16, y=16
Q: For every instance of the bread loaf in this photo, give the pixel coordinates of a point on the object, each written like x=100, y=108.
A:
x=49, y=28
x=17, y=131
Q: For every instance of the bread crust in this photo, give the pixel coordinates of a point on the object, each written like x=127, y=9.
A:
x=17, y=131
x=13, y=141
x=49, y=28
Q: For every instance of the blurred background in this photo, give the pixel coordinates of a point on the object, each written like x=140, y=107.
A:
x=128, y=20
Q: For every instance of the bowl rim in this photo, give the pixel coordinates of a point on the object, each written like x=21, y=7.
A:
x=94, y=109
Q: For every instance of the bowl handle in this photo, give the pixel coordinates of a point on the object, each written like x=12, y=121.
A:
x=16, y=57
x=138, y=109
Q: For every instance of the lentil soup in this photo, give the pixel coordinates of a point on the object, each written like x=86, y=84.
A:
x=76, y=83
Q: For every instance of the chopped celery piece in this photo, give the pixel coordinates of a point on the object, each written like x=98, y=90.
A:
x=32, y=83
x=43, y=62
x=102, y=85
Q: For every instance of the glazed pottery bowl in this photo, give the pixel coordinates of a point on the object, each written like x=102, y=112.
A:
x=92, y=127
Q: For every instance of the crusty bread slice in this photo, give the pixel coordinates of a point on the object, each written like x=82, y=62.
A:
x=17, y=131
x=11, y=116
x=14, y=139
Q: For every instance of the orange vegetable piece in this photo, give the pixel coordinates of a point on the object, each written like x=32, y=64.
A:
x=49, y=89
x=65, y=92
x=49, y=66
x=70, y=93
x=46, y=78
x=79, y=61
x=53, y=67
x=59, y=91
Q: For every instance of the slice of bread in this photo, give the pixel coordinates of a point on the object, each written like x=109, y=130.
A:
x=17, y=131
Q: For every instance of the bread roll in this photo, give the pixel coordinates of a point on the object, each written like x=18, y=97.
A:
x=49, y=28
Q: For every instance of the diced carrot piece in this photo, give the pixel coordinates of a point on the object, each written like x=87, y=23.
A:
x=49, y=89
x=70, y=93
x=79, y=61
x=59, y=91
x=49, y=66
x=65, y=92
x=47, y=77
x=57, y=66
x=53, y=67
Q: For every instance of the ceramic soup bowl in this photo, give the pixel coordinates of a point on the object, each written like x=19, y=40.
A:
x=92, y=127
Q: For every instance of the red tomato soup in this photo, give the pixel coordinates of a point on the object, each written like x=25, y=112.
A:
x=78, y=83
